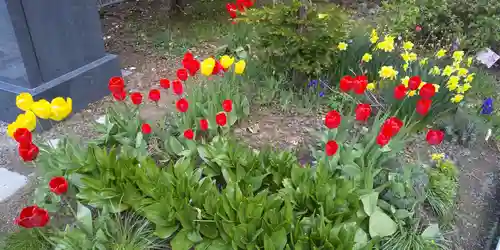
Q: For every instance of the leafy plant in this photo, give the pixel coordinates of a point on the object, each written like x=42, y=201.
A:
x=24, y=240
x=442, y=192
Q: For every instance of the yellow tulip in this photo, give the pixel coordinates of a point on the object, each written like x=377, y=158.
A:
x=24, y=101
x=207, y=66
x=239, y=67
x=41, y=108
x=26, y=120
x=226, y=61
x=60, y=108
x=12, y=128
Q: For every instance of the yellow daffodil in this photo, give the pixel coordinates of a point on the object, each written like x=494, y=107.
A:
x=366, y=57
x=466, y=87
x=26, y=120
x=405, y=80
x=470, y=78
x=226, y=61
x=424, y=61
x=452, y=83
x=460, y=89
x=462, y=72
x=457, y=98
x=469, y=61
x=388, y=72
x=374, y=37
x=370, y=86
x=408, y=45
x=405, y=56
x=405, y=67
x=239, y=67
x=322, y=16
x=41, y=108
x=207, y=66
x=413, y=57
x=435, y=71
x=24, y=101
x=60, y=108
x=412, y=93
x=441, y=53
x=437, y=157
x=387, y=45
x=436, y=87
x=342, y=46
x=458, y=56
x=448, y=70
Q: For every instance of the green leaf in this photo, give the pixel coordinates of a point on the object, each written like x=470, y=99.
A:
x=84, y=217
x=431, y=232
x=181, y=241
x=194, y=236
x=279, y=239
x=165, y=232
x=175, y=145
x=381, y=224
x=246, y=106
x=138, y=140
x=369, y=202
x=402, y=214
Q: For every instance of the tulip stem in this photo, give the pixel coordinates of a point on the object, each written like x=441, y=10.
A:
x=42, y=234
x=66, y=202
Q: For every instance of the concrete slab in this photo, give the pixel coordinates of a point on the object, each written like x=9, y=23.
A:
x=10, y=182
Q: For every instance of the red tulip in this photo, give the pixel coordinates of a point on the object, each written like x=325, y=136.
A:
x=400, y=92
x=116, y=84
x=427, y=91
x=414, y=82
x=58, y=185
x=227, y=105
x=231, y=9
x=182, y=105
x=136, y=98
x=418, y=28
x=346, y=83
x=165, y=83
x=217, y=68
x=191, y=65
x=188, y=134
x=23, y=136
x=146, y=129
x=221, y=119
x=120, y=95
x=359, y=84
x=332, y=119
x=363, y=112
x=28, y=152
x=434, y=137
x=188, y=56
x=423, y=106
x=391, y=127
x=182, y=74
x=154, y=95
x=32, y=216
x=177, y=87
x=331, y=148
x=203, y=124
x=382, y=139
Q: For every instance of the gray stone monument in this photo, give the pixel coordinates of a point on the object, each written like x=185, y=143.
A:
x=52, y=48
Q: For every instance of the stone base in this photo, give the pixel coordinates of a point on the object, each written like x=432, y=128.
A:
x=84, y=85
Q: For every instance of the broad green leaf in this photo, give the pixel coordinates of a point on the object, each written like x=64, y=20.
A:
x=381, y=224
x=369, y=202
x=402, y=214
x=431, y=232
x=139, y=140
x=194, y=236
x=279, y=239
x=84, y=218
x=165, y=231
x=246, y=106
x=175, y=145
x=181, y=241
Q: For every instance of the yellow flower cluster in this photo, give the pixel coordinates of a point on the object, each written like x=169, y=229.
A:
x=56, y=110
x=387, y=44
x=388, y=72
x=207, y=65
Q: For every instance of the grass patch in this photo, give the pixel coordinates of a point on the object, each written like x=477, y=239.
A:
x=24, y=240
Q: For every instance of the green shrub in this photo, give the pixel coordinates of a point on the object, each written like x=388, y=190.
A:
x=442, y=192
x=24, y=240
x=474, y=24
x=304, y=46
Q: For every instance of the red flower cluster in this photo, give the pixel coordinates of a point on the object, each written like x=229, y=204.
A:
x=389, y=129
x=356, y=84
x=427, y=91
x=190, y=64
x=116, y=86
x=240, y=5
x=363, y=112
x=28, y=151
